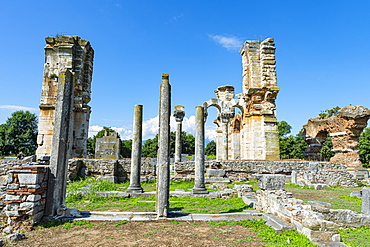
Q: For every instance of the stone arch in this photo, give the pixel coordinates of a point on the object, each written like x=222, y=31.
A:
x=344, y=128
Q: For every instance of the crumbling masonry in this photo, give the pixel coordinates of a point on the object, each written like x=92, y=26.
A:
x=344, y=128
x=62, y=54
x=253, y=135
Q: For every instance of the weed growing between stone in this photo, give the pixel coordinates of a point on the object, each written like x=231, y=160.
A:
x=268, y=234
x=359, y=237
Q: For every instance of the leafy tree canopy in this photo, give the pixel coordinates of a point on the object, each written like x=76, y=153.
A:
x=150, y=147
x=291, y=147
x=329, y=113
x=364, y=146
x=210, y=148
x=19, y=134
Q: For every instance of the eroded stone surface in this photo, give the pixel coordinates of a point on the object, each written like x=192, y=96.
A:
x=344, y=129
x=74, y=54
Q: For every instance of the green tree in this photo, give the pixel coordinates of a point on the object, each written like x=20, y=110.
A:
x=284, y=129
x=325, y=152
x=291, y=147
x=188, y=143
x=210, y=148
x=329, y=113
x=150, y=146
x=364, y=146
x=126, y=147
x=19, y=133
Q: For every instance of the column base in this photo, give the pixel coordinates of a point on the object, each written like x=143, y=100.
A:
x=200, y=191
x=135, y=189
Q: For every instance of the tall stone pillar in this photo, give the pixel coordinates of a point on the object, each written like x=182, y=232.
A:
x=135, y=186
x=62, y=142
x=179, y=116
x=77, y=55
x=199, y=184
x=225, y=136
x=163, y=162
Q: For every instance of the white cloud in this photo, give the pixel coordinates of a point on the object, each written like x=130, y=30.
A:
x=17, y=108
x=229, y=42
x=150, y=129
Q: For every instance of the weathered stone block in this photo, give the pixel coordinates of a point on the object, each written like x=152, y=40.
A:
x=215, y=172
x=33, y=178
x=12, y=198
x=24, y=206
x=271, y=181
x=366, y=200
x=33, y=198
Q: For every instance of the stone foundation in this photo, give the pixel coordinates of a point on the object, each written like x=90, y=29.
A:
x=317, y=220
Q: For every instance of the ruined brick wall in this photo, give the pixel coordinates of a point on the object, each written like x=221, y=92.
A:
x=25, y=195
x=344, y=129
x=76, y=55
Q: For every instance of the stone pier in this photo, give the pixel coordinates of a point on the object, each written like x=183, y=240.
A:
x=135, y=186
x=179, y=116
x=163, y=165
x=62, y=142
x=76, y=55
x=199, y=185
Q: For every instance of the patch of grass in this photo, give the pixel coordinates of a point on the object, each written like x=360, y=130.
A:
x=291, y=185
x=338, y=197
x=70, y=224
x=50, y=224
x=268, y=234
x=207, y=206
x=120, y=223
x=352, y=199
x=359, y=237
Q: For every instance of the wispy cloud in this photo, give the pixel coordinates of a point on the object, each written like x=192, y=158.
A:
x=17, y=108
x=228, y=41
x=150, y=129
x=177, y=17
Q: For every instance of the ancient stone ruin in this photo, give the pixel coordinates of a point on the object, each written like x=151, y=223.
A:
x=253, y=135
x=344, y=129
x=108, y=147
x=71, y=58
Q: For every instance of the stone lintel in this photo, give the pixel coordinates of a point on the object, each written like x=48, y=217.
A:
x=338, y=134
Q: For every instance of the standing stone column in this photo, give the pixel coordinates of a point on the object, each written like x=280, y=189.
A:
x=61, y=144
x=365, y=200
x=135, y=186
x=163, y=162
x=199, y=185
x=179, y=116
x=225, y=136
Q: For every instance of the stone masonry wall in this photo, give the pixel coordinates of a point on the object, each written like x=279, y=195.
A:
x=25, y=195
x=308, y=173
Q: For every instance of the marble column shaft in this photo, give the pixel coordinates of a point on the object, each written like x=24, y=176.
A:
x=135, y=186
x=225, y=138
x=199, y=184
x=179, y=116
x=163, y=157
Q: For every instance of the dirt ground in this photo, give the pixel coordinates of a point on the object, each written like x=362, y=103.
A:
x=158, y=233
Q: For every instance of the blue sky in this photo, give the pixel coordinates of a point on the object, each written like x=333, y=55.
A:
x=322, y=54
